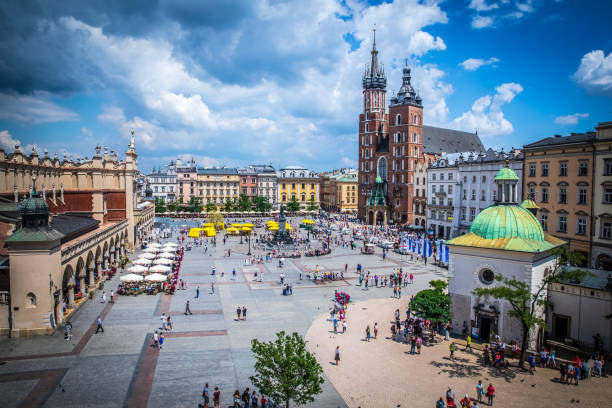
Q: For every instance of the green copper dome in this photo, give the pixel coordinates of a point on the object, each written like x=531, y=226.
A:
x=507, y=221
x=378, y=179
x=506, y=173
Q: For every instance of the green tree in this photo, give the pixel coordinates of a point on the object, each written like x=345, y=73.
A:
x=293, y=205
x=229, y=206
x=433, y=304
x=172, y=206
x=160, y=206
x=211, y=207
x=214, y=217
x=244, y=203
x=261, y=204
x=194, y=206
x=285, y=370
x=526, y=303
x=312, y=204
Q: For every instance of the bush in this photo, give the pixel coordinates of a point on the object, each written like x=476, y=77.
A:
x=101, y=285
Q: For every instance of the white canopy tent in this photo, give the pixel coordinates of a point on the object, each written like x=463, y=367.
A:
x=142, y=261
x=167, y=255
x=160, y=268
x=156, y=277
x=138, y=269
x=163, y=261
x=131, y=277
x=147, y=255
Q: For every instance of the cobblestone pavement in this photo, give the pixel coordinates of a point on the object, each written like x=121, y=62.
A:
x=119, y=368
x=382, y=373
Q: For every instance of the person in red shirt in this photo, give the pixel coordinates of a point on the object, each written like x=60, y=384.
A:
x=216, y=397
x=490, y=393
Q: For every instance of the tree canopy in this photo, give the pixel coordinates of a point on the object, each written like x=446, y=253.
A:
x=229, y=206
x=312, y=204
x=293, y=205
x=432, y=304
x=211, y=207
x=244, y=203
x=261, y=204
x=285, y=370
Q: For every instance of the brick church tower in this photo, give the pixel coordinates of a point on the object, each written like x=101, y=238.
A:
x=390, y=146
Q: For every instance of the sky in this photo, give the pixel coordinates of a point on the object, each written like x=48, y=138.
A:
x=233, y=82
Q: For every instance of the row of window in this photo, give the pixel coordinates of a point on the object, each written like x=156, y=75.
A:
x=214, y=192
x=284, y=186
x=163, y=189
x=581, y=225
x=303, y=197
x=434, y=175
x=583, y=169
x=582, y=195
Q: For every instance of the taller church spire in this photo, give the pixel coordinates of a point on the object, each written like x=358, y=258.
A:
x=374, y=76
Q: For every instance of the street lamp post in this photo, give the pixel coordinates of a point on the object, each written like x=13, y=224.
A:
x=249, y=240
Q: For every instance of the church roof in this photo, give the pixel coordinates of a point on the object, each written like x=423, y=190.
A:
x=506, y=173
x=441, y=140
x=507, y=227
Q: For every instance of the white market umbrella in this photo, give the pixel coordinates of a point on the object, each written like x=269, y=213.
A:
x=138, y=269
x=142, y=261
x=170, y=244
x=156, y=277
x=167, y=255
x=163, y=261
x=160, y=268
x=131, y=277
x=151, y=250
x=154, y=245
x=147, y=255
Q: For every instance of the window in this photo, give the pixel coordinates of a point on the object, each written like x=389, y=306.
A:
x=450, y=202
x=581, y=227
x=494, y=195
x=606, y=230
x=442, y=188
x=433, y=176
x=450, y=176
x=608, y=167
x=433, y=214
x=433, y=189
x=30, y=300
x=433, y=200
x=473, y=194
x=486, y=276
x=532, y=192
x=465, y=179
x=563, y=169
x=450, y=189
x=472, y=214
x=532, y=170
x=441, y=176
x=544, y=169
x=483, y=195
x=484, y=179
x=398, y=120
x=582, y=195
x=544, y=194
x=473, y=179
x=562, y=223
x=544, y=222
x=563, y=195
x=583, y=168
x=462, y=214
x=607, y=196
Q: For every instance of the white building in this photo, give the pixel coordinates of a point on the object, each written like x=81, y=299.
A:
x=504, y=239
x=419, y=199
x=461, y=185
x=162, y=183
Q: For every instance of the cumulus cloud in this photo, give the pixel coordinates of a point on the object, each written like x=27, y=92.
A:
x=479, y=21
x=472, y=64
x=571, y=119
x=495, y=13
x=481, y=5
x=595, y=73
x=33, y=109
x=486, y=114
x=8, y=143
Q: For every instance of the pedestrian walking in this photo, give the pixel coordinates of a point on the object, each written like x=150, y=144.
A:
x=238, y=312
x=197, y=295
x=244, y=311
x=163, y=321
x=99, y=328
x=234, y=273
x=490, y=394
x=375, y=330
x=68, y=334
x=103, y=297
x=161, y=340
x=468, y=343
x=368, y=333
x=156, y=339
x=344, y=326
x=212, y=288
x=112, y=296
x=187, y=309
x=216, y=397
x=205, y=395
x=169, y=323
x=479, y=390
x=337, y=355
x=452, y=351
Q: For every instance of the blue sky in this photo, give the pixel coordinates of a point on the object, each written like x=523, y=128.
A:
x=235, y=82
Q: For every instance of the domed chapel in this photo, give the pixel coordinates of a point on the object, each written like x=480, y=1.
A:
x=504, y=239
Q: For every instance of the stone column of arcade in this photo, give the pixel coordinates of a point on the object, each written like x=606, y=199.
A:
x=70, y=287
x=82, y=282
x=99, y=268
x=90, y=274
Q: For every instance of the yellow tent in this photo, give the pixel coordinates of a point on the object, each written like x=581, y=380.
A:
x=248, y=224
x=212, y=233
x=220, y=226
x=194, y=232
x=231, y=229
x=271, y=222
x=208, y=225
x=246, y=230
x=288, y=227
x=273, y=228
x=308, y=222
x=236, y=225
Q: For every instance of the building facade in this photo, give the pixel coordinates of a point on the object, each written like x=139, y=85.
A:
x=601, y=249
x=218, y=185
x=558, y=175
x=248, y=182
x=419, y=201
x=338, y=190
x=267, y=184
x=444, y=190
x=63, y=222
x=393, y=145
x=186, y=180
x=299, y=183
x=162, y=183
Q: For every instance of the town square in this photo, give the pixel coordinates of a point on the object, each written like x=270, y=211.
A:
x=327, y=203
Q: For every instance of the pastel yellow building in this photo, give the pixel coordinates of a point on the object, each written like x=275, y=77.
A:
x=346, y=192
x=298, y=182
x=217, y=185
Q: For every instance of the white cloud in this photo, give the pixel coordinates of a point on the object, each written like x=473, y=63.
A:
x=595, y=73
x=571, y=119
x=481, y=5
x=86, y=132
x=472, y=64
x=422, y=42
x=479, y=21
x=348, y=162
x=8, y=143
x=486, y=114
x=33, y=109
